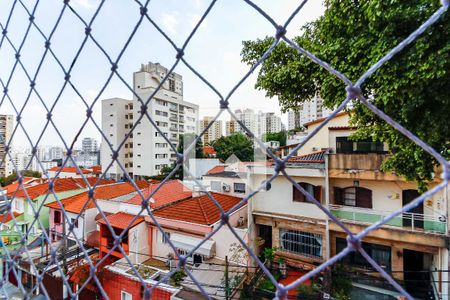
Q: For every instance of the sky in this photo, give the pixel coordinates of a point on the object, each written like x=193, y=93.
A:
x=214, y=51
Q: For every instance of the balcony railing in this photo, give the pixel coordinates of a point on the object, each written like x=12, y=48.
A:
x=357, y=161
x=407, y=221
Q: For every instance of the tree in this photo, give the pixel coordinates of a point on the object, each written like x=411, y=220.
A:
x=276, y=136
x=413, y=87
x=237, y=144
x=4, y=181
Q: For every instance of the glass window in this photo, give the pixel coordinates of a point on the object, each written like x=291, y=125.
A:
x=350, y=196
x=164, y=239
x=125, y=296
x=57, y=217
x=239, y=187
x=305, y=243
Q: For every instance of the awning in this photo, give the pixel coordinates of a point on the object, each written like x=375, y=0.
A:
x=188, y=243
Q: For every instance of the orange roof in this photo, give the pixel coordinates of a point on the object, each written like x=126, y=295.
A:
x=6, y=217
x=26, y=181
x=199, y=210
x=320, y=120
x=216, y=169
x=97, y=169
x=172, y=190
x=121, y=220
x=208, y=150
x=76, y=203
x=60, y=185
x=70, y=170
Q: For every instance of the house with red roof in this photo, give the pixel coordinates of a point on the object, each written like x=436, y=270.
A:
x=66, y=172
x=82, y=210
x=26, y=200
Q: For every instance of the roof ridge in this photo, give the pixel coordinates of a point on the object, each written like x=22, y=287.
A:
x=202, y=208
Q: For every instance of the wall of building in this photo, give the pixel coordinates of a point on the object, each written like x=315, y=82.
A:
x=206, y=180
x=138, y=242
x=279, y=199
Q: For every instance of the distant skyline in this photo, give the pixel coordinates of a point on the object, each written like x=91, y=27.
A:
x=214, y=52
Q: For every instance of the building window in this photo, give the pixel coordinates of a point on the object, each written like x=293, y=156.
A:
x=344, y=145
x=313, y=190
x=165, y=238
x=74, y=222
x=300, y=242
x=216, y=186
x=380, y=254
x=353, y=196
x=172, y=85
x=239, y=187
x=125, y=296
x=57, y=217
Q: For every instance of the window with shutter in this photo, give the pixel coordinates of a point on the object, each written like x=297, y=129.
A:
x=314, y=191
x=338, y=196
x=57, y=217
x=363, y=197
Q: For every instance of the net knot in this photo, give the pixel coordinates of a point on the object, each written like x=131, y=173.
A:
x=353, y=92
x=281, y=31
x=180, y=53
x=143, y=11
x=224, y=104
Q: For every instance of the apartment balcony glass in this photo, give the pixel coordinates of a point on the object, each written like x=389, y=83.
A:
x=407, y=221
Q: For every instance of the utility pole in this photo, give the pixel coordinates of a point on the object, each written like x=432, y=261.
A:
x=227, y=283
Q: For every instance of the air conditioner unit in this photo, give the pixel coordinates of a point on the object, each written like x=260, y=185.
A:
x=226, y=187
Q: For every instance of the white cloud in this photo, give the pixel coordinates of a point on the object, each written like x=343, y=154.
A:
x=170, y=21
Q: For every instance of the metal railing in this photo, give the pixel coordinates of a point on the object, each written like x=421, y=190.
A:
x=407, y=221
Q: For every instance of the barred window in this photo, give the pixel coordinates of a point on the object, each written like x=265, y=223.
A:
x=305, y=243
x=239, y=187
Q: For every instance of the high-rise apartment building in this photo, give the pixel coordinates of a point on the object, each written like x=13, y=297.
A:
x=273, y=123
x=6, y=128
x=307, y=112
x=258, y=123
x=146, y=151
x=55, y=152
x=89, y=145
x=213, y=133
x=231, y=127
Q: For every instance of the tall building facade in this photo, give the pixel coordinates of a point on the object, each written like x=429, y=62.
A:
x=6, y=128
x=146, y=151
x=213, y=133
x=258, y=123
x=89, y=145
x=307, y=112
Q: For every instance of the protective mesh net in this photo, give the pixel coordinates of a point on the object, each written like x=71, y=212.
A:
x=23, y=12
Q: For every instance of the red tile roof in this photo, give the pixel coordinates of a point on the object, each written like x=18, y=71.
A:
x=27, y=181
x=216, y=169
x=208, y=150
x=97, y=169
x=315, y=157
x=70, y=170
x=173, y=190
x=320, y=120
x=342, y=128
x=122, y=220
x=199, y=210
x=6, y=217
x=60, y=185
x=76, y=203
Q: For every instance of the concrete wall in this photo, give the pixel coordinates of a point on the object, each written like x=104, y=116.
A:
x=230, y=182
x=138, y=242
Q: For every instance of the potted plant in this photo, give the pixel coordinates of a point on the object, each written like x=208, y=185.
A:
x=269, y=255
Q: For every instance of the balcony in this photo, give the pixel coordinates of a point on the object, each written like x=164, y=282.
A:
x=407, y=221
x=174, y=129
x=172, y=108
x=107, y=243
x=369, y=161
x=173, y=119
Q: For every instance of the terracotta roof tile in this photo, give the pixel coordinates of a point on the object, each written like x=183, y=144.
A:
x=320, y=120
x=70, y=170
x=60, y=185
x=173, y=190
x=122, y=220
x=76, y=203
x=199, y=210
x=216, y=169
x=6, y=217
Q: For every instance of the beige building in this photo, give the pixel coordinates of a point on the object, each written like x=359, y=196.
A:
x=213, y=133
x=231, y=127
x=346, y=177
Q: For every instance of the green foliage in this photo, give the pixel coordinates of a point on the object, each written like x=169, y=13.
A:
x=413, y=87
x=269, y=253
x=276, y=136
x=177, y=277
x=237, y=144
x=306, y=292
x=341, y=284
x=4, y=181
